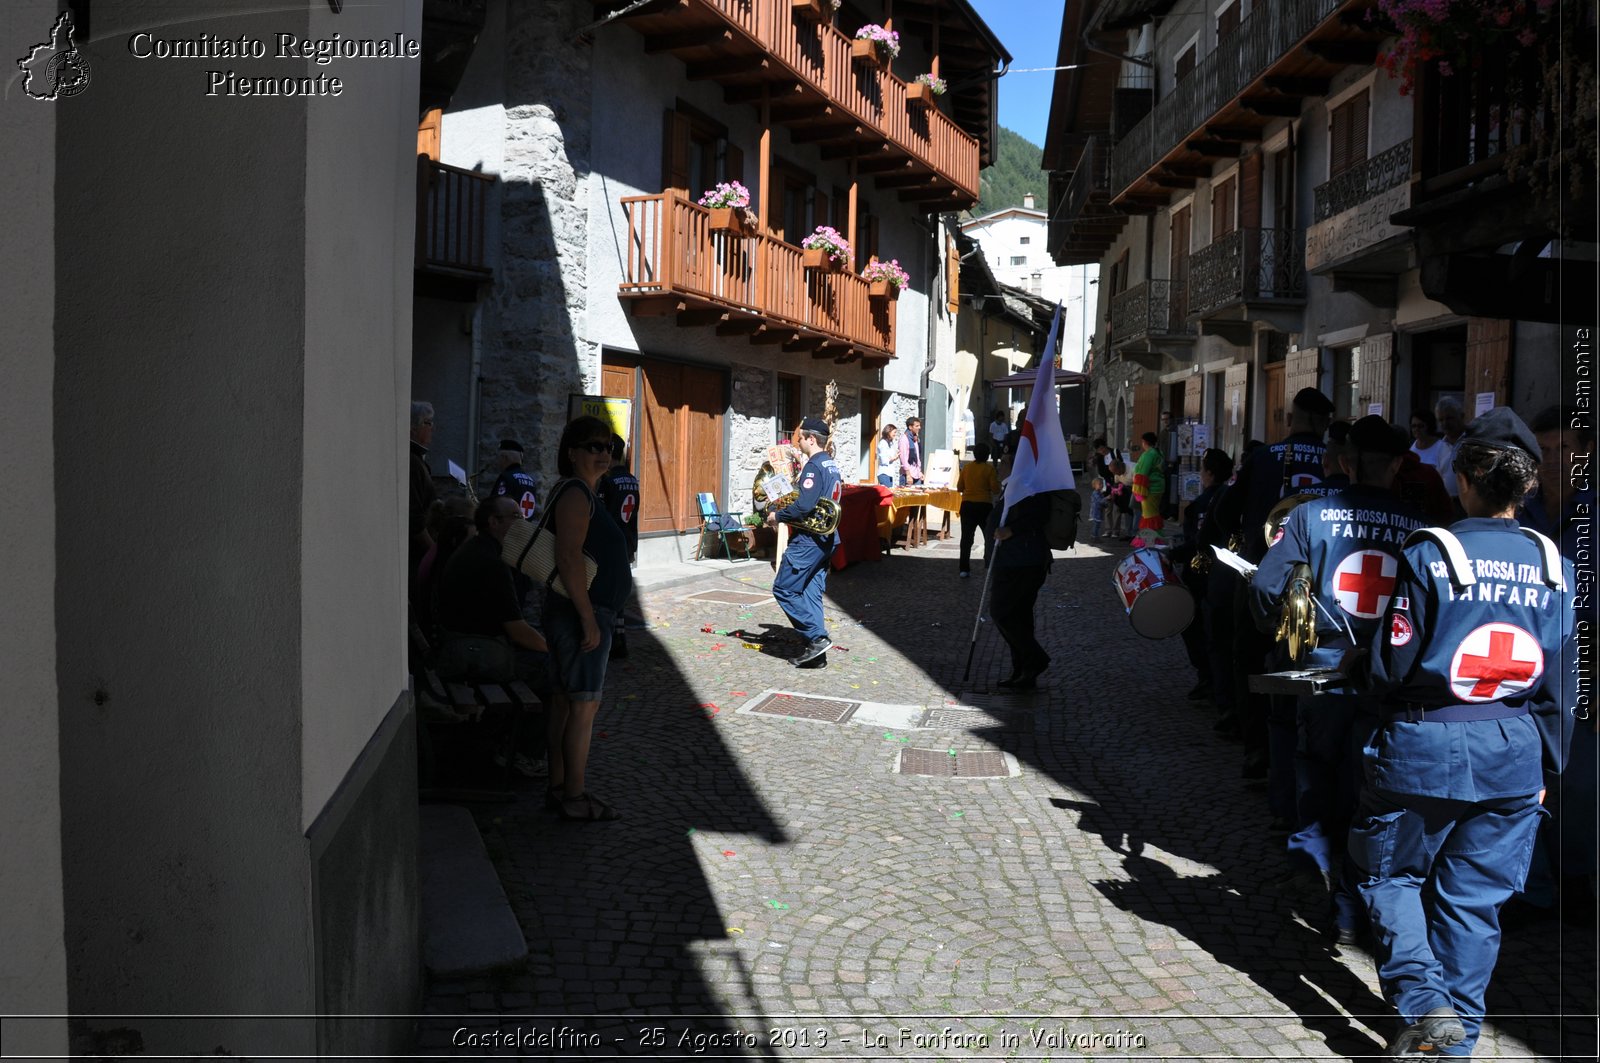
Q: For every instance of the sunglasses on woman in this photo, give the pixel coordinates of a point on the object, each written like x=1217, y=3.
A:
x=594, y=447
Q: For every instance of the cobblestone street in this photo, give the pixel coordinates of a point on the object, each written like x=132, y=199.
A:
x=780, y=886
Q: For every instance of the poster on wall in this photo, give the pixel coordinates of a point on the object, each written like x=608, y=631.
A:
x=1375, y=409
x=1189, y=486
x=618, y=413
x=1484, y=403
x=1202, y=438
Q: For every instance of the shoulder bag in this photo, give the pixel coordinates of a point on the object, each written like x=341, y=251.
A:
x=531, y=548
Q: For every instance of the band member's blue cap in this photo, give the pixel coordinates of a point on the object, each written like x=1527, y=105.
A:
x=1502, y=429
x=814, y=426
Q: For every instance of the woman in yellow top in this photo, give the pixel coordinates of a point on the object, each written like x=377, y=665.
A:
x=979, y=486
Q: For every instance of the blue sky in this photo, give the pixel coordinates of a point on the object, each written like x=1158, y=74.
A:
x=1029, y=29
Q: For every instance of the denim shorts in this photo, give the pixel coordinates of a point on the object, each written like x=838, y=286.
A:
x=579, y=675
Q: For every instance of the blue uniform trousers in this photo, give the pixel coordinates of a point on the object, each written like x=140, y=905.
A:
x=1327, y=777
x=799, y=584
x=1435, y=871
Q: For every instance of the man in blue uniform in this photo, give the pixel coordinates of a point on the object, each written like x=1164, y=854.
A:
x=513, y=482
x=1473, y=668
x=619, y=493
x=803, y=575
x=1268, y=474
x=1351, y=541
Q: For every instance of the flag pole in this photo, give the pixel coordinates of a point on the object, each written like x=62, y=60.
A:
x=988, y=575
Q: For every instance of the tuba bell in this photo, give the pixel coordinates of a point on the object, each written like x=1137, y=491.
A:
x=823, y=520
x=1297, y=624
x=1280, y=513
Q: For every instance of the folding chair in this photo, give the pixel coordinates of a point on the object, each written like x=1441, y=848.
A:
x=716, y=523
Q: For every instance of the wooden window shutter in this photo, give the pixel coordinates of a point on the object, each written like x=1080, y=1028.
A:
x=1300, y=371
x=952, y=277
x=1250, y=192
x=1228, y=21
x=675, y=152
x=1222, y=216
x=1358, y=128
x=1347, y=134
x=1185, y=64
x=428, y=133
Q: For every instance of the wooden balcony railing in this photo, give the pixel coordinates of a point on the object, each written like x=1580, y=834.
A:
x=1247, y=265
x=1153, y=308
x=818, y=56
x=1268, y=33
x=452, y=204
x=673, y=252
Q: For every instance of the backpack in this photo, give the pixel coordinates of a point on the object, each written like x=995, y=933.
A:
x=1061, y=527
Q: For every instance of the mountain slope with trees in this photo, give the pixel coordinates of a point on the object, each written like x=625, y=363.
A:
x=1015, y=171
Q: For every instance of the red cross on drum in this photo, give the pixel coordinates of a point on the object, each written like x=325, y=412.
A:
x=1363, y=583
x=1496, y=661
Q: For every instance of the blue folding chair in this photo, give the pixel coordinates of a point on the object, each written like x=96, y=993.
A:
x=716, y=523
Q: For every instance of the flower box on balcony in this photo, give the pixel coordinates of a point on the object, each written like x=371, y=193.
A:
x=730, y=220
x=919, y=93
x=882, y=290
x=814, y=10
x=817, y=258
x=866, y=53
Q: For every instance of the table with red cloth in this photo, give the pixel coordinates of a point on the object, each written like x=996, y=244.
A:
x=858, y=523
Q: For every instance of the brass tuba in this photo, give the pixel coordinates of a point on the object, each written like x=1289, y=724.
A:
x=1297, y=623
x=823, y=520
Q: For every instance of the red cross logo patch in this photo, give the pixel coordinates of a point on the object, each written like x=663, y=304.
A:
x=1400, y=630
x=630, y=503
x=1363, y=582
x=528, y=505
x=1496, y=661
x=1301, y=481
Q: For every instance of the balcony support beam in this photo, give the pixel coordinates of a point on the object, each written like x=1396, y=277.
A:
x=769, y=333
x=1272, y=106
x=1243, y=133
x=1221, y=149
x=721, y=68
x=754, y=93
x=695, y=38
x=1348, y=53
x=1296, y=86
x=805, y=342
x=810, y=134
x=658, y=306
x=1189, y=169
x=884, y=164
x=700, y=317
x=738, y=325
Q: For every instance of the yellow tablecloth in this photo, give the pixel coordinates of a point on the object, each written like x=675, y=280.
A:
x=907, y=500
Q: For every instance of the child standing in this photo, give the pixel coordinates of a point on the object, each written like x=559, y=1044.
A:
x=1097, y=506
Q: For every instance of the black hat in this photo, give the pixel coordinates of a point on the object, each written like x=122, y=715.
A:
x=1502, y=429
x=1373, y=435
x=1313, y=401
x=511, y=444
x=814, y=426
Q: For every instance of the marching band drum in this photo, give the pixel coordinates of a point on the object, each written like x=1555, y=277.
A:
x=1152, y=592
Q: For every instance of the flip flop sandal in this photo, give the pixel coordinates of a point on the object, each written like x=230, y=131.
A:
x=592, y=809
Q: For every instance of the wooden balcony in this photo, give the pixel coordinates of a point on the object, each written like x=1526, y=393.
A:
x=1152, y=316
x=1282, y=53
x=754, y=286
x=452, y=257
x=1247, y=277
x=761, y=50
x=1083, y=225
x=1350, y=237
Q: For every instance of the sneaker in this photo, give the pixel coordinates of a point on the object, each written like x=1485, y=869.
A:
x=965, y=575
x=524, y=765
x=813, y=649
x=1440, y=1028
x=819, y=661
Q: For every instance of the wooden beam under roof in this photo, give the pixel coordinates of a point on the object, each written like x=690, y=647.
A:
x=1221, y=149
x=1347, y=53
x=729, y=67
x=1272, y=106
x=817, y=131
x=701, y=37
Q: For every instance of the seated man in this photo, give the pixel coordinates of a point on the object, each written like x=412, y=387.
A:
x=482, y=634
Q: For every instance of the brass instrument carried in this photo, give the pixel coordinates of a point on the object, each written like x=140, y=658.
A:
x=822, y=520
x=1297, y=623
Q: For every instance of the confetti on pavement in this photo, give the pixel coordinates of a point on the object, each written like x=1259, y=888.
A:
x=778, y=906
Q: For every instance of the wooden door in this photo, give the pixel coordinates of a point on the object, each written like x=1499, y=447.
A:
x=1303, y=371
x=1273, y=400
x=1488, y=361
x=679, y=451
x=1146, y=405
x=1377, y=376
x=1193, y=394
x=1233, y=420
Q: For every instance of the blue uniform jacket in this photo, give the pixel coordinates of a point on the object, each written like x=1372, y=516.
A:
x=1505, y=639
x=1352, y=540
x=522, y=487
x=819, y=479
x=1268, y=474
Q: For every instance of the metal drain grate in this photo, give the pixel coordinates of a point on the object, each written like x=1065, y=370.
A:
x=983, y=764
x=828, y=710
x=730, y=597
x=989, y=719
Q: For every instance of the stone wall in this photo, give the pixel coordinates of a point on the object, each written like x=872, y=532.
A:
x=533, y=356
x=748, y=433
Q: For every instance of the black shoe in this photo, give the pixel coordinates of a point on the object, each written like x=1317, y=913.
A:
x=1346, y=936
x=813, y=649
x=819, y=661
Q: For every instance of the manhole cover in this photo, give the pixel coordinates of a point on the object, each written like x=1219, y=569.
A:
x=995, y=719
x=730, y=597
x=828, y=710
x=983, y=764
